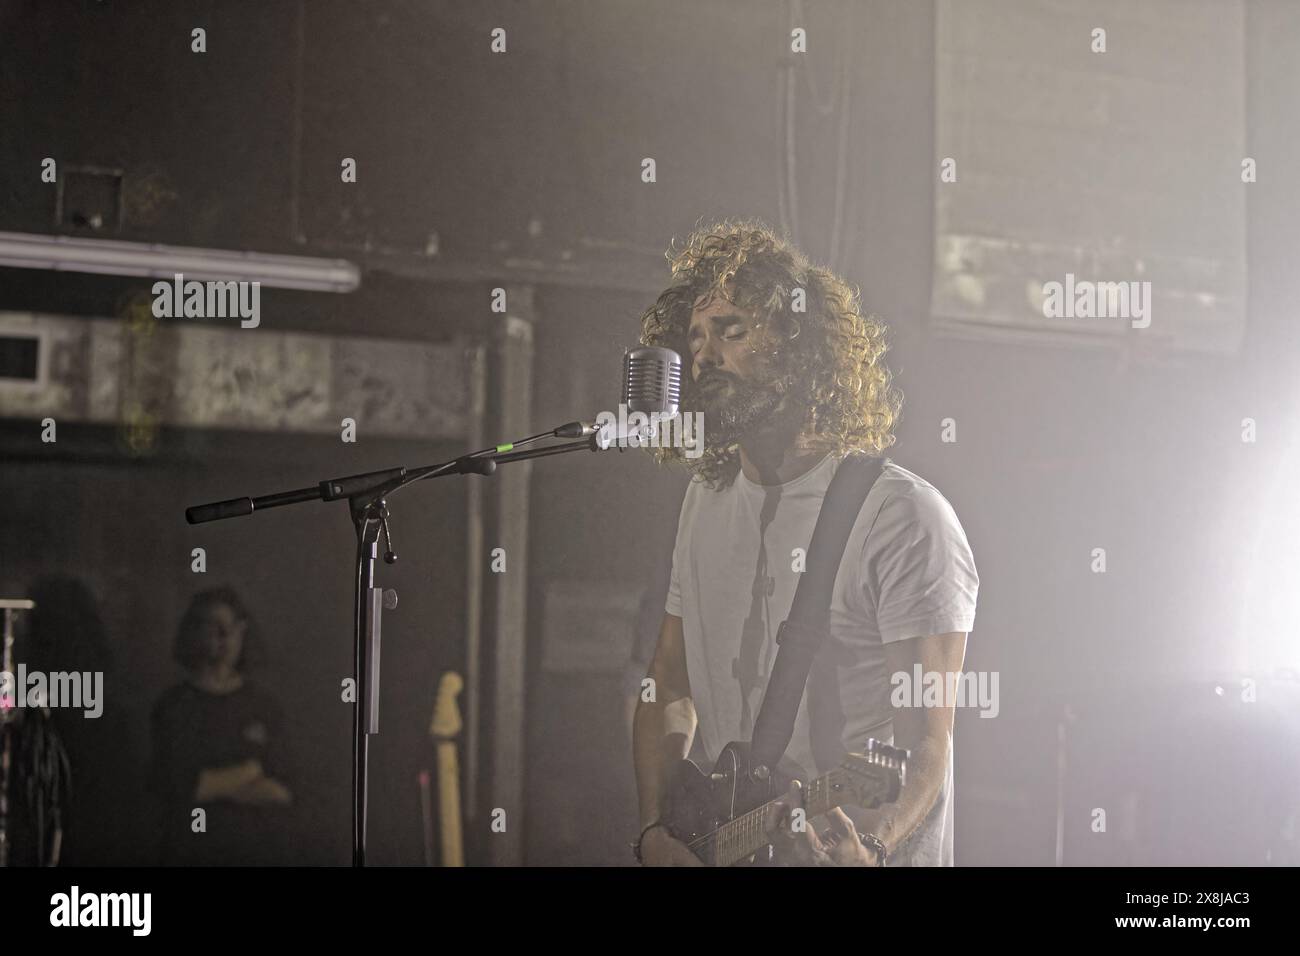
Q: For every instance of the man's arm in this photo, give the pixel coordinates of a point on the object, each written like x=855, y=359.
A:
x=222, y=783
x=663, y=728
x=925, y=731
x=662, y=731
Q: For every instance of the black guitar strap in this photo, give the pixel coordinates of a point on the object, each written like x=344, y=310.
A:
x=804, y=631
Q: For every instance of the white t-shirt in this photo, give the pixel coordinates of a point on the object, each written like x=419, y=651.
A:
x=907, y=572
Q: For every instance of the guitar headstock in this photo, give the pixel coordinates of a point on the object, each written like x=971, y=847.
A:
x=446, y=721
x=870, y=778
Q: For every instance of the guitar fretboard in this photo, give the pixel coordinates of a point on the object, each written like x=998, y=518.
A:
x=744, y=836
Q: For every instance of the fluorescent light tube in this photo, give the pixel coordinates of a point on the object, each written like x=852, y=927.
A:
x=114, y=257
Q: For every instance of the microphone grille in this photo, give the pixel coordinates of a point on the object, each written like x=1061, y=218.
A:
x=652, y=380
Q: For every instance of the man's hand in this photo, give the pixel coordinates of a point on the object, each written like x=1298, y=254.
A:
x=836, y=846
x=264, y=791
x=222, y=783
x=659, y=848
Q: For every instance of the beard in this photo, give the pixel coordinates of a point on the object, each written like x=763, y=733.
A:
x=735, y=409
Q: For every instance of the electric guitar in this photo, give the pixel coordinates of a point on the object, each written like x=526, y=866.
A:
x=720, y=816
x=444, y=728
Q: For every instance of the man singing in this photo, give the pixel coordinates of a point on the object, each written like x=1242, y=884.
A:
x=791, y=378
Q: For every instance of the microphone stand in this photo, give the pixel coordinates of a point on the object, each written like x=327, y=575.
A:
x=366, y=496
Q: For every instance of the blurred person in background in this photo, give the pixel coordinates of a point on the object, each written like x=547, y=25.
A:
x=217, y=739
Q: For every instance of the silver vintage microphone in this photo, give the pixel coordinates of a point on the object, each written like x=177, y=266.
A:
x=652, y=384
x=652, y=380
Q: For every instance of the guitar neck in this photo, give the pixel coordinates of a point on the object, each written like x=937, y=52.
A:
x=744, y=836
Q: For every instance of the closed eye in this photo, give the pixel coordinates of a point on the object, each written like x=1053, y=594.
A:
x=733, y=331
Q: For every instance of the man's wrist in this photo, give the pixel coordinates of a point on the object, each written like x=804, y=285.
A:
x=636, y=847
x=876, y=846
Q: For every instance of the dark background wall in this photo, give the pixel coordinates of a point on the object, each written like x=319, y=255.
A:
x=475, y=170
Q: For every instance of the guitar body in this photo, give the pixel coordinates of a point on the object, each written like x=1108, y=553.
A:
x=700, y=803
x=720, y=816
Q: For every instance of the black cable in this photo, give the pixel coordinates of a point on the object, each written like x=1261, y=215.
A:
x=45, y=772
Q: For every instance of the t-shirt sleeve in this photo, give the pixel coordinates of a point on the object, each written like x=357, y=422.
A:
x=673, y=602
x=274, y=763
x=918, y=568
x=175, y=766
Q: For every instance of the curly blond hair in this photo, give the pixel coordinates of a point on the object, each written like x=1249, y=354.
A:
x=831, y=354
